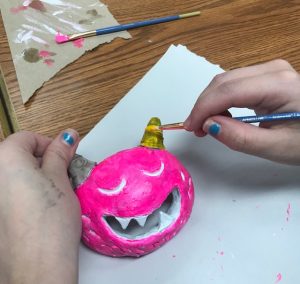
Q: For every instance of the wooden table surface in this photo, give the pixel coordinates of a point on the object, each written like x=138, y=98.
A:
x=229, y=33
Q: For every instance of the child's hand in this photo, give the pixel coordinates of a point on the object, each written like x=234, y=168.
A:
x=40, y=221
x=272, y=87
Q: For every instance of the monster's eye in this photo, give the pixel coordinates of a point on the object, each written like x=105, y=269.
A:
x=115, y=190
x=155, y=173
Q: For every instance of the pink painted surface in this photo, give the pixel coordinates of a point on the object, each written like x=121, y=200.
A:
x=61, y=38
x=278, y=278
x=49, y=62
x=16, y=10
x=44, y=53
x=148, y=176
x=78, y=42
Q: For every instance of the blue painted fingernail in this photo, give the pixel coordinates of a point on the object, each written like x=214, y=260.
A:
x=214, y=129
x=68, y=138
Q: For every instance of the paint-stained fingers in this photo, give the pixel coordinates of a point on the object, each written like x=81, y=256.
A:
x=277, y=91
x=58, y=156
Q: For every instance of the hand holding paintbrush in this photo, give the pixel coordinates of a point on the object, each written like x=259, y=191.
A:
x=273, y=89
x=247, y=119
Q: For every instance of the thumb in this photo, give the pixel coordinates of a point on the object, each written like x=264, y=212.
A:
x=59, y=153
x=242, y=137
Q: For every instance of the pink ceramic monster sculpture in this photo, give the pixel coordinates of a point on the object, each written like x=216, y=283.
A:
x=135, y=200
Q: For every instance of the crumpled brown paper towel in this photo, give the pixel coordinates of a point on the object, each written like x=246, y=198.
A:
x=31, y=27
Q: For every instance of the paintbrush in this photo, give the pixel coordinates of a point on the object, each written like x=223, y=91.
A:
x=60, y=38
x=247, y=119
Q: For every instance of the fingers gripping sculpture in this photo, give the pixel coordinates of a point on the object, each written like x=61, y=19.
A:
x=135, y=200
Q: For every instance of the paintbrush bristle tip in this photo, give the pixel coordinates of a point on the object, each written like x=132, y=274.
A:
x=61, y=38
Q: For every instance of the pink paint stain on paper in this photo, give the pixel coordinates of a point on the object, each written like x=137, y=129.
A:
x=279, y=278
x=34, y=4
x=16, y=10
x=49, y=62
x=288, y=212
x=78, y=42
x=44, y=53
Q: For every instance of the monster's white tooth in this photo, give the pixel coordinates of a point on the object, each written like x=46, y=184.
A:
x=123, y=222
x=165, y=218
x=141, y=220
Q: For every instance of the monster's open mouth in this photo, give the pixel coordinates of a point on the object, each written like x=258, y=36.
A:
x=140, y=227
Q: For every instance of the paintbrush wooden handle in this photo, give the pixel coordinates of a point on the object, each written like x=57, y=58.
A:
x=172, y=126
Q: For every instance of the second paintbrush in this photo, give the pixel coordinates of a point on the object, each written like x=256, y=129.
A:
x=108, y=30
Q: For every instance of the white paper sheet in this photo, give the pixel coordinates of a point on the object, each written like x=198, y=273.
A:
x=238, y=231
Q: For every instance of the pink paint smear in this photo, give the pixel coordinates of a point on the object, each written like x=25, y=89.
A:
x=61, y=38
x=16, y=10
x=44, y=53
x=288, y=212
x=78, y=42
x=38, y=5
x=279, y=278
x=49, y=62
